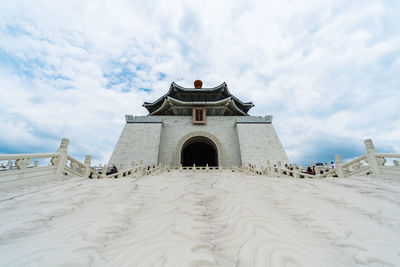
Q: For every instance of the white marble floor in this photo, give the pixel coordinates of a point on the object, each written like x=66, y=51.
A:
x=202, y=219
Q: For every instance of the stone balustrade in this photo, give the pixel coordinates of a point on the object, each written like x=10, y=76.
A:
x=195, y=168
x=15, y=166
x=23, y=161
x=371, y=163
x=26, y=166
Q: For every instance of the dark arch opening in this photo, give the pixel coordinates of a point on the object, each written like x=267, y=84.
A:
x=199, y=151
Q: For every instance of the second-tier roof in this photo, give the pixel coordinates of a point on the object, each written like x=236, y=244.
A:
x=218, y=99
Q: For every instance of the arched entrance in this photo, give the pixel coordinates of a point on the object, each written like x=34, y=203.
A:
x=199, y=150
x=199, y=135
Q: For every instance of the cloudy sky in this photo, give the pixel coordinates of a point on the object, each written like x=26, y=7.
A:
x=328, y=71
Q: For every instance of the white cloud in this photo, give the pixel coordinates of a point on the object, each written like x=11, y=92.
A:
x=325, y=69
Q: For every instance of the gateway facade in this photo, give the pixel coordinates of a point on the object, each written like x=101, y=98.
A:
x=198, y=126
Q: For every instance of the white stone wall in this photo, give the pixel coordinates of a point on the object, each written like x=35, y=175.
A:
x=223, y=128
x=259, y=143
x=138, y=142
x=158, y=143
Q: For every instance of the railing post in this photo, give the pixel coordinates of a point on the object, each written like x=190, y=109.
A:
x=339, y=166
x=317, y=172
x=268, y=168
x=371, y=156
x=104, y=171
x=141, y=168
x=295, y=171
x=279, y=166
x=63, y=149
x=132, y=169
x=88, y=161
x=194, y=167
x=144, y=170
x=207, y=167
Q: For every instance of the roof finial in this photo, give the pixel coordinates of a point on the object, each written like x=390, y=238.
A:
x=198, y=84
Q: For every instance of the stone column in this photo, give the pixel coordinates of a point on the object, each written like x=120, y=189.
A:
x=88, y=161
x=63, y=156
x=339, y=168
x=371, y=157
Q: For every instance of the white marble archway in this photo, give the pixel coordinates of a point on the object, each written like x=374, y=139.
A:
x=212, y=138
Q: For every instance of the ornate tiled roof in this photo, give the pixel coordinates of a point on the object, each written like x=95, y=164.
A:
x=218, y=101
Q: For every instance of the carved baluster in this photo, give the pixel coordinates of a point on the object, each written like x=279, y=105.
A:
x=295, y=171
x=267, y=169
x=279, y=165
x=88, y=161
x=371, y=156
x=317, y=172
x=63, y=157
x=104, y=171
x=9, y=164
x=21, y=164
x=339, y=167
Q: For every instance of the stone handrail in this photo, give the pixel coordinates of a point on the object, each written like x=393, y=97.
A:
x=388, y=155
x=195, y=168
x=75, y=166
x=19, y=164
x=356, y=160
x=134, y=171
x=369, y=163
x=62, y=164
x=22, y=161
x=330, y=173
x=29, y=156
x=22, y=166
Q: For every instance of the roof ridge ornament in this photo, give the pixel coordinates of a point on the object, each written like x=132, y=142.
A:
x=198, y=84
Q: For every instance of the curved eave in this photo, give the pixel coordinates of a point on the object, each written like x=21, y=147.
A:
x=148, y=104
x=234, y=107
x=246, y=106
x=165, y=105
x=216, y=88
x=173, y=86
x=169, y=101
